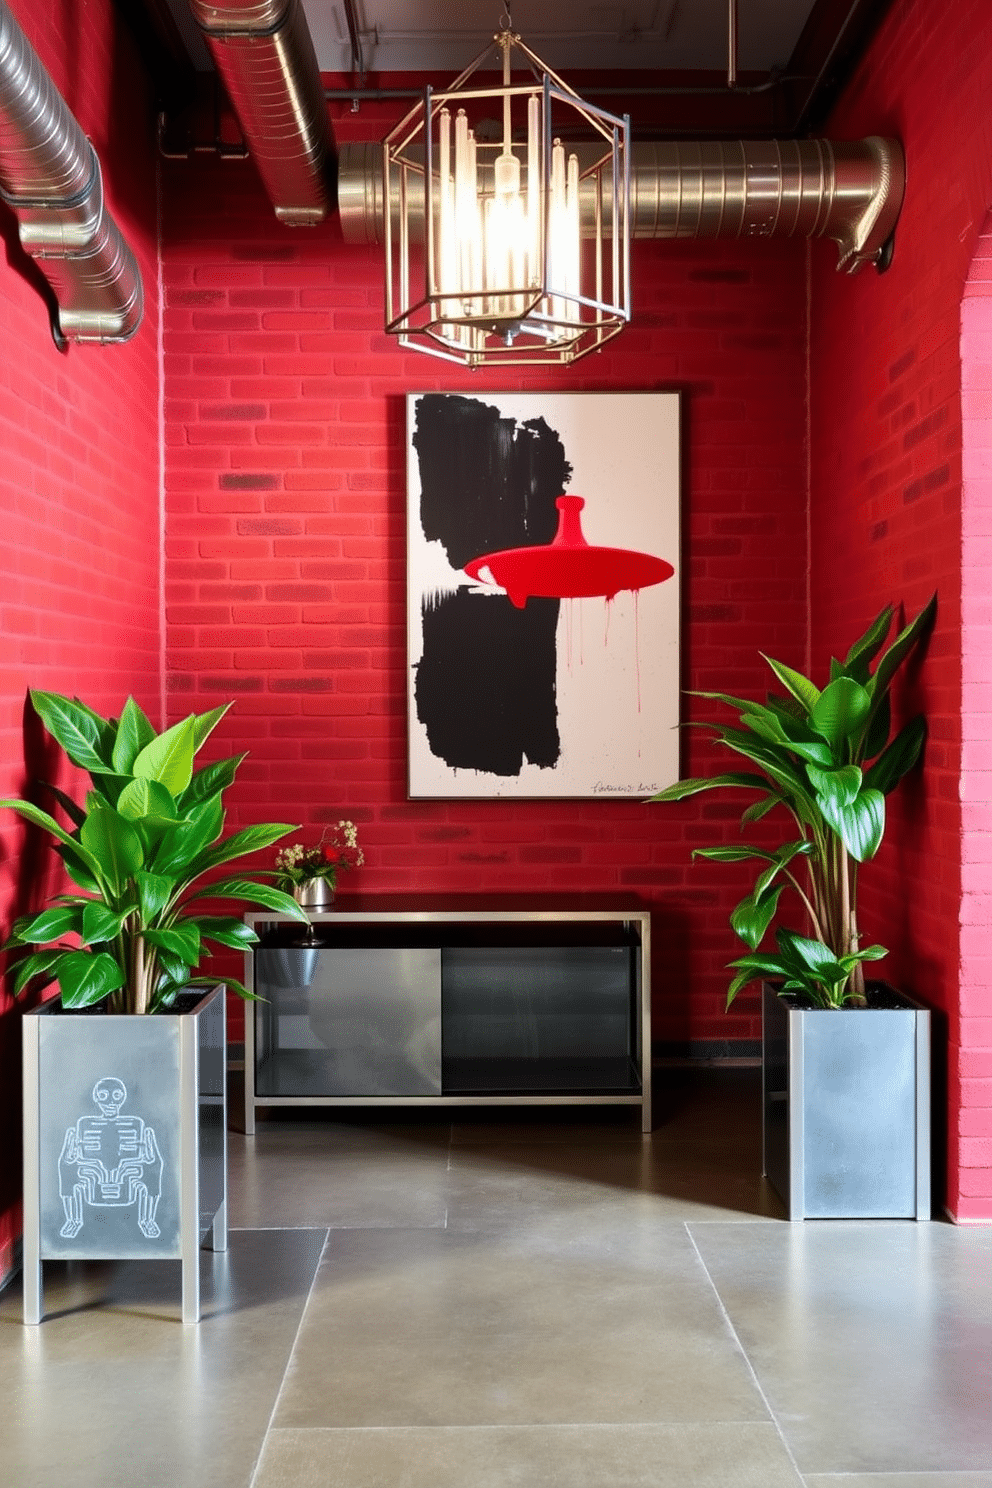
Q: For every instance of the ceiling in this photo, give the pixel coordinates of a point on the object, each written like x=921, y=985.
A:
x=411, y=35
x=665, y=60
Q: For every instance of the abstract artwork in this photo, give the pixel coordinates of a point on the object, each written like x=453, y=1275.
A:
x=543, y=567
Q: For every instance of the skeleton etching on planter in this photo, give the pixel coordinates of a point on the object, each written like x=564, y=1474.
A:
x=110, y=1161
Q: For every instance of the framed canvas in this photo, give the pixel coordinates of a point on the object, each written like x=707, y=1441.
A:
x=543, y=581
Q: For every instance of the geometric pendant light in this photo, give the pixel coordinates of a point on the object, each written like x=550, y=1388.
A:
x=507, y=217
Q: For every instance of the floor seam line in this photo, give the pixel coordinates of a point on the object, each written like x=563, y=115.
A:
x=728, y=1323
x=289, y=1358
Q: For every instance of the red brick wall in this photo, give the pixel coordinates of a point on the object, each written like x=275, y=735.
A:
x=973, y=1051
x=286, y=566
x=886, y=523
x=79, y=524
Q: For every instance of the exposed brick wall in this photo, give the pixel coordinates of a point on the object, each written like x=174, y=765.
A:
x=79, y=524
x=972, y=1029
x=286, y=565
x=887, y=525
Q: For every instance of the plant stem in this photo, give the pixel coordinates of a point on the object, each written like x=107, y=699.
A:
x=139, y=989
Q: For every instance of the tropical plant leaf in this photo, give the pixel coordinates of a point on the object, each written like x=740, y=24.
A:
x=801, y=688
x=40, y=963
x=766, y=726
x=77, y=871
x=904, y=642
x=167, y=991
x=803, y=951
x=169, y=757
x=182, y=940
x=253, y=893
x=759, y=963
x=759, y=809
x=738, y=704
x=175, y=968
x=154, y=892
x=40, y=818
x=108, y=786
x=780, y=860
x=225, y=930
x=789, y=710
x=876, y=735
x=867, y=647
x=898, y=758
x=731, y=854
x=205, y=723
x=82, y=734
x=49, y=925
x=101, y=923
x=72, y=808
x=239, y=844
x=181, y=846
x=860, y=826
x=87, y=977
x=113, y=844
x=840, y=787
x=870, y=953
x=147, y=800
x=840, y=711
x=691, y=787
x=211, y=780
x=134, y=733
x=778, y=765
x=751, y=918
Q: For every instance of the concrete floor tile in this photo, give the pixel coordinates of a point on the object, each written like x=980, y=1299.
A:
x=870, y=1340
x=506, y=1185
x=325, y=1189
x=900, y=1480
x=566, y=1330
x=705, y=1456
x=112, y=1388
x=444, y=1328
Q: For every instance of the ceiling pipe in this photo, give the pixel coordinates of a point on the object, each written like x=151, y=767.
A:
x=50, y=178
x=264, y=54
x=851, y=192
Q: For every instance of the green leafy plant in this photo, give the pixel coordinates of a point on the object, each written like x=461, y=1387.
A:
x=148, y=835
x=826, y=758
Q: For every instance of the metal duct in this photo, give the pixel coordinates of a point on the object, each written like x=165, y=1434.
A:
x=264, y=54
x=851, y=192
x=50, y=177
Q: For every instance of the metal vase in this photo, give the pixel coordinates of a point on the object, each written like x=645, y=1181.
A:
x=316, y=893
x=846, y=1093
x=287, y=967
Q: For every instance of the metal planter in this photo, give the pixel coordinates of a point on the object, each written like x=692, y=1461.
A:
x=846, y=1128
x=125, y=1139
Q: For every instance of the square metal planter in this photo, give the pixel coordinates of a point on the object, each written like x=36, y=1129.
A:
x=125, y=1139
x=846, y=1122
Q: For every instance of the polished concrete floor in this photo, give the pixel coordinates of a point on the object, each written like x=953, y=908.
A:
x=516, y=1300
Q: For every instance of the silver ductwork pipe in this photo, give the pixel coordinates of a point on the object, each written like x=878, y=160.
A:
x=50, y=178
x=851, y=192
x=264, y=54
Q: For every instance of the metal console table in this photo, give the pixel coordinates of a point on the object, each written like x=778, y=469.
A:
x=454, y=1001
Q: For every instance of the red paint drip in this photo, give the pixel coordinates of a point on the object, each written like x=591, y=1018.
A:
x=569, y=568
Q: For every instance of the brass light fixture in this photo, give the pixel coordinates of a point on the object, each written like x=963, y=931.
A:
x=508, y=240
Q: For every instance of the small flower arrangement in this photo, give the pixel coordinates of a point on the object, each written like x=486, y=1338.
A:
x=338, y=848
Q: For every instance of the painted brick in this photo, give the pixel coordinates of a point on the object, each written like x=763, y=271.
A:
x=79, y=605
x=728, y=323
x=885, y=461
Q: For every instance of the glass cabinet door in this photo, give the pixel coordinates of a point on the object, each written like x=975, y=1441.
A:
x=357, y=1021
